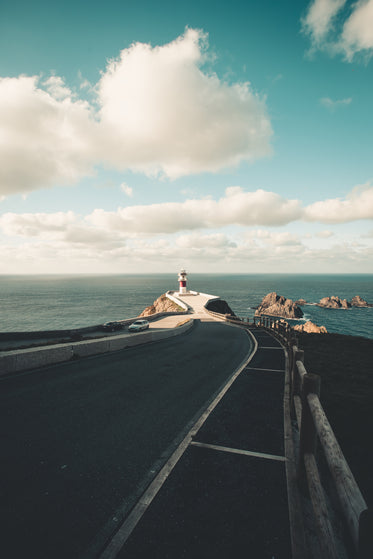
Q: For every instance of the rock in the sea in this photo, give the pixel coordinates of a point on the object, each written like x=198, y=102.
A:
x=310, y=328
x=162, y=304
x=300, y=302
x=219, y=306
x=334, y=303
x=358, y=301
x=277, y=305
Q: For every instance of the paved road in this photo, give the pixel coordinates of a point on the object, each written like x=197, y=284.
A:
x=80, y=441
x=227, y=495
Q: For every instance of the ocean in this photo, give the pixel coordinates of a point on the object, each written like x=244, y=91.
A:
x=53, y=302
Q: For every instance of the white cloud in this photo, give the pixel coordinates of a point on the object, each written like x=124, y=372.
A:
x=128, y=190
x=332, y=105
x=45, y=136
x=198, y=241
x=237, y=207
x=164, y=115
x=324, y=234
x=357, y=35
x=34, y=225
x=277, y=239
x=354, y=28
x=220, y=252
x=154, y=111
x=319, y=19
x=357, y=205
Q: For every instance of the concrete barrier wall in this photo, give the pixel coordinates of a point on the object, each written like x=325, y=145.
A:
x=61, y=334
x=26, y=359
x=177, y=301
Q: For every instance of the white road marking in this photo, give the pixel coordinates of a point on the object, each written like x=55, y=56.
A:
x=239, y=451
x=270, y=370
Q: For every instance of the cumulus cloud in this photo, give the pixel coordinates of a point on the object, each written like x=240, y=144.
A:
x=357, y=35
x=319, y=19
x=37, y=224
x=332, y=105
x=46, y=136
x=240, y=253
x=331, y=28
x=165, y=115
x=156, y=111
x=237, y=207
x=358, y=204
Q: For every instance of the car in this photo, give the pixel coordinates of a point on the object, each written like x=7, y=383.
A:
x=112, y=326
x=138, y=325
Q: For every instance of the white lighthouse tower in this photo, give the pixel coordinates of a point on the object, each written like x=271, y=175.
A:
x=182, y=277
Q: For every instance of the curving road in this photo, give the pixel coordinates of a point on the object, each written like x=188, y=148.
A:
x=81, y=440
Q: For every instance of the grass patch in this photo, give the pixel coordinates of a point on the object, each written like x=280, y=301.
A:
x=345, y=366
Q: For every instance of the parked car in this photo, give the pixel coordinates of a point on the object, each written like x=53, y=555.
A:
x=138, y=325
x=112, y=326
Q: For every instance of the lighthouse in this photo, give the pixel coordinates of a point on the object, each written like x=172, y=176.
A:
x=182, y=281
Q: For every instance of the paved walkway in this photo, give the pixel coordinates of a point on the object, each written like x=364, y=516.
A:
x=227, y=496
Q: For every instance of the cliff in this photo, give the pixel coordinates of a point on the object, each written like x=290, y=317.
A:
x=277, y=305
x=162, y=304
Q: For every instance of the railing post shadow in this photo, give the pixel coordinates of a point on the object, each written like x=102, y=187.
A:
x=295, y=379
x=308, y=433
x=365, y=550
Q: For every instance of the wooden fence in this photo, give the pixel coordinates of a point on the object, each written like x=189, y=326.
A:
x=314, y=430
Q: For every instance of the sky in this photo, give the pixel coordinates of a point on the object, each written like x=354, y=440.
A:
x=220, y=137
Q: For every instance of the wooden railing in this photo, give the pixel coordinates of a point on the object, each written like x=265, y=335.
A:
x=314, y=429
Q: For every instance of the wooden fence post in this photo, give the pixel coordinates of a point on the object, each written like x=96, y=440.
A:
x=308, y=433
x=298, y=355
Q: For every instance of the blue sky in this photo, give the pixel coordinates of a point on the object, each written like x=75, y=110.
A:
x=221, y=137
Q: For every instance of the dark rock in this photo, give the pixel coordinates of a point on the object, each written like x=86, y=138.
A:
x=220, y=306
x=358, y=301
x=334, y=303
x=277, y=305
x=310, y=328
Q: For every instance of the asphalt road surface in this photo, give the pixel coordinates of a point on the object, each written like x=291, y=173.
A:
x=82, y=440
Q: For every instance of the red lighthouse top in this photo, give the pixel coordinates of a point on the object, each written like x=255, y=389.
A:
x=182, y=277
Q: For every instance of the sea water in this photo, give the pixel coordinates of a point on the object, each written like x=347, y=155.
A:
x=51, y=302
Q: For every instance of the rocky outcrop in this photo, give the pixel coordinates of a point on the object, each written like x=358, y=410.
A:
x=337, y=303
x=310, y=328
x=162, y=304
x=277, y=305
x=301, y=302
x=334, y=303
x=220, y=306
x=358, y=301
